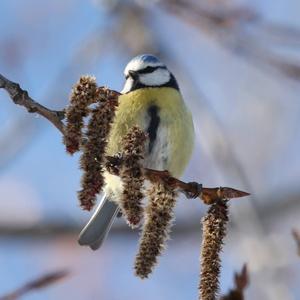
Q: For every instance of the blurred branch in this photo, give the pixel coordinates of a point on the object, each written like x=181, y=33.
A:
x=296, y=235
x=38, y=283
x=274, y=207
x=270, y=213
x=230, y=28
x=132, y=23
x=21, y=97
x=220, y=18
x=57, y=228
x=241, y=281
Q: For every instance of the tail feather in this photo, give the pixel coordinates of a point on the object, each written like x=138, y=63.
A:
x=96, y=230
x=96, y=245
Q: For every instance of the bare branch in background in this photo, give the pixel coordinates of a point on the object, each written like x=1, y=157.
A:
x=39, y=283
x=133, y=23
x=296, y=235
x=229, y=27
x=279, y=33
x=271, y=212
x=21, y=97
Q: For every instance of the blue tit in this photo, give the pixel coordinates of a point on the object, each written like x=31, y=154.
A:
x=152, y=100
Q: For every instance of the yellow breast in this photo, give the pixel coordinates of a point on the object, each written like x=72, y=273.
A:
x=174, y=118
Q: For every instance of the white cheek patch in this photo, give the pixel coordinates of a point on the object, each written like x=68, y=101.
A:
x=155, y=78
x=128, y=86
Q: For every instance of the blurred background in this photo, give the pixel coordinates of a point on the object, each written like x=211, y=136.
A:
x=238, y=66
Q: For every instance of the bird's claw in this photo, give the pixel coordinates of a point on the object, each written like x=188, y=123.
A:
x=194, y=190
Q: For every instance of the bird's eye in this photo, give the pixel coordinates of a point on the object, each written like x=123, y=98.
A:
x=126, y=77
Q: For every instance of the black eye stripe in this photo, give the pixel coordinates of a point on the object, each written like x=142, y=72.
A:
x=147, y=70
x=150, y=69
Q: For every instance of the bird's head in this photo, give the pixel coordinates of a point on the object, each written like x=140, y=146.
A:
x=147, y=71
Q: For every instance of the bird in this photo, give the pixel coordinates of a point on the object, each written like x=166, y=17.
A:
x=151, y=99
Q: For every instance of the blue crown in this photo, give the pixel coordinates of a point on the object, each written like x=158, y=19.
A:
x=147, y=58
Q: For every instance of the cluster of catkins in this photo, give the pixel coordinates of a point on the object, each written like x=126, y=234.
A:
x=99, y=104
x=91, y=140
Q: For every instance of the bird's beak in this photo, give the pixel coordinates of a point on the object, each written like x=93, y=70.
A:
x=133, y=74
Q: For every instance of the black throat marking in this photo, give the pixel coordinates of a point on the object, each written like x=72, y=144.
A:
x=153, y=125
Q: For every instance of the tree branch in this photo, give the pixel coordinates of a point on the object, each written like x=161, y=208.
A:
x=21, y=97
x=194, y=189
x=190, y=189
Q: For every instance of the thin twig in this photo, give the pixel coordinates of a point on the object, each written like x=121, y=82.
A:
x=38, y=283
x=21, y=97
x=190, y=189
x=296, y=235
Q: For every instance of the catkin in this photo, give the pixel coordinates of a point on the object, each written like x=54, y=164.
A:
x=132, y=176
x=214, y=231
x=92, y=158
x=158, y=221
x=83, y=94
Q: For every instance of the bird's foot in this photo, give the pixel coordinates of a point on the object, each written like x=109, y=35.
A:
x=194, y=190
